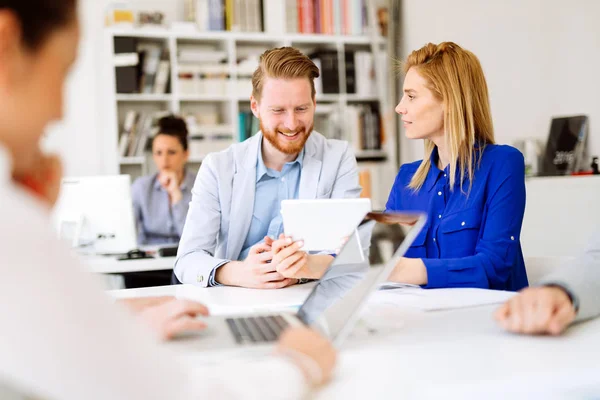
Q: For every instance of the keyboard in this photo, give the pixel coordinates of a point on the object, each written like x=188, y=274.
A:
x=260, y=329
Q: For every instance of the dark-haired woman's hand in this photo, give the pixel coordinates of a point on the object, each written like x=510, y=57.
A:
x=170, y=182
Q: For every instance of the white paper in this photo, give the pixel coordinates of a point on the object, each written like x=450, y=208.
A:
x=440, y=299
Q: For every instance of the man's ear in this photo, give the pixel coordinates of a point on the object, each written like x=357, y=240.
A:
x=254, y=106
x=10, y=43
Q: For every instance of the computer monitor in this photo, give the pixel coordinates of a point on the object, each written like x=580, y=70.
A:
x=96, y=214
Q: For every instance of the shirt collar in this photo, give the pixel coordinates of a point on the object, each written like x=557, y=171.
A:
x=434, y=172
x=261, y=168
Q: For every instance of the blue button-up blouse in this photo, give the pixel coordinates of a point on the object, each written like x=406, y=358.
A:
x=470, y=240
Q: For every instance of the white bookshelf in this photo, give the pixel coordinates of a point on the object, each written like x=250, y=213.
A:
x=382, y=163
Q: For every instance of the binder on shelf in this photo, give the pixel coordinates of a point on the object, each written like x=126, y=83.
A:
x=162, y=77
x=126, y=61
x=330, y=77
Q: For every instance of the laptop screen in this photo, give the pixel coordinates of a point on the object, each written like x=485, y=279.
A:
x=365, y=260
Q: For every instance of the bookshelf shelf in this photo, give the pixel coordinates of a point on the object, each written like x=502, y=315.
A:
x=361, y=99
x=203, y=98
x=258, y=37
x=132, y=160
x=134, y=97
x=328, y=97
x=371, y=154
x=212, y=130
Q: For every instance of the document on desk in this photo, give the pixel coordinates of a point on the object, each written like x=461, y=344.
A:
x=440, y=299
x=224, y=300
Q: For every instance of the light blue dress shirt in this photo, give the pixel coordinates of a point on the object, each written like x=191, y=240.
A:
x=271, y=188
x=159, y=222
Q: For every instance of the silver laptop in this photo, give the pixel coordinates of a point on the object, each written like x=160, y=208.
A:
x=335, y=302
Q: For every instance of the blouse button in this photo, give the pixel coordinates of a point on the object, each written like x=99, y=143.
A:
x=434, y=239
x=462, y=223
x=512, y=238
x=439, y=193
x=440, y=216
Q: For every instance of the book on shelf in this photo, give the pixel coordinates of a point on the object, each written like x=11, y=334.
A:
x=360, y=72
x=226, y=15
x=291, y=16
x=203, y=70
x=365, y=73
x=364, y=128
x=138, y=129
x=365, y=182
x=329, y=70
x=348, y=17
x=141, y=67
x=247, y=125
x=153, y=53
x=273, y=10
x=161, y=83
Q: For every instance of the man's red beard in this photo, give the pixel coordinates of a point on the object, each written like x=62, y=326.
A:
x=281, y=144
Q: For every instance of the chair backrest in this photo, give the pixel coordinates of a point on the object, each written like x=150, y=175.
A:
x=539, y=267
x=560, y=216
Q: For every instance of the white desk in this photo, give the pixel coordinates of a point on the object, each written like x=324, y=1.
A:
x=110, y=265
x=444, y=354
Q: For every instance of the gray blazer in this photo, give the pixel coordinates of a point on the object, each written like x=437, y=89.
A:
x=222, y=202
x=582, y=279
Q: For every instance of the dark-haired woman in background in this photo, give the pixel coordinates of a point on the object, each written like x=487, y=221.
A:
x=161, y=200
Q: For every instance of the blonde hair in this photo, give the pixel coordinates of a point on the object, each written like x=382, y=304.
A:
x=455, y=77
x=283, y=63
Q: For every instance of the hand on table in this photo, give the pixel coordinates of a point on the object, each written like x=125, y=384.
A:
x=292, y=262
x=537, y=310
x=409, y=270
x=310, y=351
x=168, y=316
x=256, y=271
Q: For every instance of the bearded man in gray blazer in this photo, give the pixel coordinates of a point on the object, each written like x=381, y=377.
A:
x=234, y=215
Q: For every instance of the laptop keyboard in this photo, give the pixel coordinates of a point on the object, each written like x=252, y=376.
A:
x=257, y=329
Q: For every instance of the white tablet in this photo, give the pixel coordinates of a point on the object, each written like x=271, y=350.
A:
x=323, y=224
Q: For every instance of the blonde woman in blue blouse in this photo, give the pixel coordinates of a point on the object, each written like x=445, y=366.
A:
x=472, y=189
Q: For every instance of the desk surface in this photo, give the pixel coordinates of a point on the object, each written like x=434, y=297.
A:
x=442, y=354
x=110, y=264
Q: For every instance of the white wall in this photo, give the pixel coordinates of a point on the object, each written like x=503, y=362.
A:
x=78, y=138
x=541, y=58
x=561, y=215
